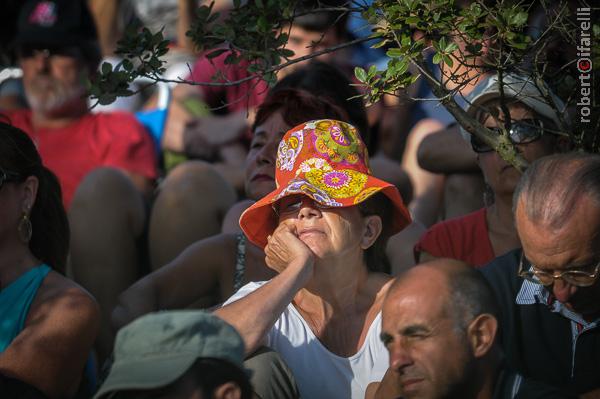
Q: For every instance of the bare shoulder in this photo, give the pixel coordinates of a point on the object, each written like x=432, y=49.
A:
x=51, y=351
x=64, y=301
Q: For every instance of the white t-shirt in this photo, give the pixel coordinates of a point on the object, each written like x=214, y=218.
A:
x=318, y=372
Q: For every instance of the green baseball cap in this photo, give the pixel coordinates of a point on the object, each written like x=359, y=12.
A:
x=156, y=349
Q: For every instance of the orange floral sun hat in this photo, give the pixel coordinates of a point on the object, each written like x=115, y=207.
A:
x=327, y=161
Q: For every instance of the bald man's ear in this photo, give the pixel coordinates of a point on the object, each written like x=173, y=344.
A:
x=373, y=227
x=229, y=390
x=482, y=334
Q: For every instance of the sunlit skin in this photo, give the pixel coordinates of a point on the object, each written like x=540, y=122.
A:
x=328, y=233
x=260, y=161
x=499, y=174
x=574, y=244
x=427, y=353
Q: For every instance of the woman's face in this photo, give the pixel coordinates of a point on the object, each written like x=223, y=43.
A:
x=499, y=174
x=328, y=232
x=260, y=162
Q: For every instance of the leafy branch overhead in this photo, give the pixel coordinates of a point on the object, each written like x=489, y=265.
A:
x=440, y=41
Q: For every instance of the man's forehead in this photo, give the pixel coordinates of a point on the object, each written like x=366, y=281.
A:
x=415, y=299
x=574, y=242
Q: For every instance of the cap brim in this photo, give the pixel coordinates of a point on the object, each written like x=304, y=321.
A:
x=147, y=374
x=259, y=220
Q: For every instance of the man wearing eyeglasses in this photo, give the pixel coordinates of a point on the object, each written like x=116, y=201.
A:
x=549, y=291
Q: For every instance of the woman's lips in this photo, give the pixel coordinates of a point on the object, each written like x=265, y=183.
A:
x=306, y=232
x=262, y=177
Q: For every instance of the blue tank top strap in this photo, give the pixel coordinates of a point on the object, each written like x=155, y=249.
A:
x=15, y=300
x=240, y=262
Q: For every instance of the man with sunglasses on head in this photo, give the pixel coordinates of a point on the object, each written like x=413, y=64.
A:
x=517, y=107
x=549, y=292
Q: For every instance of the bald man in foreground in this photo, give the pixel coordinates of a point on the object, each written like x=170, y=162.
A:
x=439, y=326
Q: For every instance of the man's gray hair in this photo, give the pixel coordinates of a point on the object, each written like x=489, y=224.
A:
x=470, y=296
x=552, y=186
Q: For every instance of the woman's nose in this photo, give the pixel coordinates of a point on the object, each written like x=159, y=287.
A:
x=308, y=209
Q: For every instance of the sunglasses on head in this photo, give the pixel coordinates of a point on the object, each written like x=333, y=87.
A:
x=521, y=132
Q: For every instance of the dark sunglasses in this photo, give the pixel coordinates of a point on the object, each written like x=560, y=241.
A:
x=32, y=50
x=8, y=177
x=521, y=132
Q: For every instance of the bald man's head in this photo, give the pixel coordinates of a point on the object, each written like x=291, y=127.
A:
x=462, y=289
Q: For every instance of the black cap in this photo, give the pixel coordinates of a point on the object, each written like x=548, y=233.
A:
x=58, y=23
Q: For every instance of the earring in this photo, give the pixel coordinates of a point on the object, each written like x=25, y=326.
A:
x=25, y=228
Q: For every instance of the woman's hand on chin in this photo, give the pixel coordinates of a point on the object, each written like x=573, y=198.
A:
x=284, y=248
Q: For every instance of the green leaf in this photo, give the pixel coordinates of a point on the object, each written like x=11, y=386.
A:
x=372, y=71
x=394, y=52
x=519, y=19
x=448, y=60
x=215, y=53
x=360, y=74
x=437, y=58
x=451, y=47
x=263, y=24
x=380, y=44
x=287, y=53
x=442, y=43
x=412, y=20
x=106, y=68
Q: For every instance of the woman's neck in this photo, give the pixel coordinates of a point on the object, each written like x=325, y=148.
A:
x=501, y=225
x=14, y=261
x=338, y=289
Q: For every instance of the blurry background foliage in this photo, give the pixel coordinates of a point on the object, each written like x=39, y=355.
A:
x=498, y=33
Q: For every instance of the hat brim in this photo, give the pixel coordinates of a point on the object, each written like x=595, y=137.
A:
x=259, y=220
x=515, y=88
x=149, y=373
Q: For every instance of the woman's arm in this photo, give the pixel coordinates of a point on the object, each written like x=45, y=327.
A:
x=195, y=274
x=51, y=351
x=254, y=315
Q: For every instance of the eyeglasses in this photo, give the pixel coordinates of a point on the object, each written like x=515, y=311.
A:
x=583, y=276
x=8, y=177
x=521, y=132
x=291, y=205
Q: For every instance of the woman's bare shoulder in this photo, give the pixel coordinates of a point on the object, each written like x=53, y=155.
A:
x=59, y=332
x=62, y=298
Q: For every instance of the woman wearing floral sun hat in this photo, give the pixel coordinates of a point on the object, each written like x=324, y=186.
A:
x=324, y=229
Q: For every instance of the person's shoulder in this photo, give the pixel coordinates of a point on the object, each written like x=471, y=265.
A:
x=17, y=117
x=378, y=286
x=504, y=266
x=64, y=301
